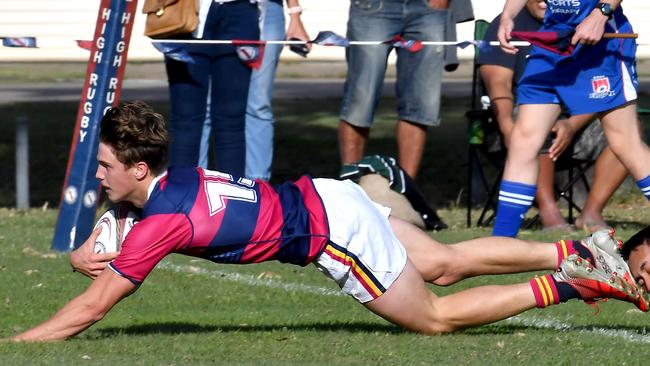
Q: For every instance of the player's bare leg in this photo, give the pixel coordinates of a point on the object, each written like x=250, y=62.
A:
x=444, y=264
x=533, y=125
x=624, y=138
x=352, y=142
x=548, y=209
x=411, y=138
x=409, y=303
x=609, y=173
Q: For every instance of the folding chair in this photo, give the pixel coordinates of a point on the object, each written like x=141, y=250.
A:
x=484, y=143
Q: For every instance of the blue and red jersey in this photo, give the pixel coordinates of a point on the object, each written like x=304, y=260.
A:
x=569, y=13
x=566, y=15
x=216, y=216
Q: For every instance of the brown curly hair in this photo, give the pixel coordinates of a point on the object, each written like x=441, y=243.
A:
x=640, y=238
x=136, y=133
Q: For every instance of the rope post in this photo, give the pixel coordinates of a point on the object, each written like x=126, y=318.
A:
x=22, y=162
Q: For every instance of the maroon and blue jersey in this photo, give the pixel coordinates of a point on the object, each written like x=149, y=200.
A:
x=216, y=216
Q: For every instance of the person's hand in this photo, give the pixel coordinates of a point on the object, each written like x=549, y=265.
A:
x=591, y=29
x=297, y=30
x=84, y=259
x=506, y=26
x=564, y=133
x=439, y=4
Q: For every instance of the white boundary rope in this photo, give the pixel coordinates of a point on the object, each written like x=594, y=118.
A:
x=627, y=335
x=353, y=43
x=250, y=279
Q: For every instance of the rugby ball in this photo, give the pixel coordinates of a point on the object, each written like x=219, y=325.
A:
x=116, y=223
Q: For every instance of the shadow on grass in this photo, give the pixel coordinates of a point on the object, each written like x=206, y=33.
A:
x=172, y=328
x=186, y=327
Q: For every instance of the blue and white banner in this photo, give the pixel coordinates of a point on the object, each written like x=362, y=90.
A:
x=100, y=92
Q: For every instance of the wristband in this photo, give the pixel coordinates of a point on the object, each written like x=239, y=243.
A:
x=294, y=10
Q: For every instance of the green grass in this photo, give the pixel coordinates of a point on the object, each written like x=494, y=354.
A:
x=197, y=312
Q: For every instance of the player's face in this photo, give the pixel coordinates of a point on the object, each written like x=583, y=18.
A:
x=117, y=179
x=536, y=8
x=639, y=263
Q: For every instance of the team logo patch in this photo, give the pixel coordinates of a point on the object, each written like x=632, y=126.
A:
x=600, y=87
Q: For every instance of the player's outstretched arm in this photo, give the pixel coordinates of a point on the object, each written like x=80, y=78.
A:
x=83, y=311
x=85, y=261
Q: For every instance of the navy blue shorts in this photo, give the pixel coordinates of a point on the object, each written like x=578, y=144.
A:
x=595, y=79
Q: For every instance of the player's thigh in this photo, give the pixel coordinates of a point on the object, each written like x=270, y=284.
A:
x=623, y=134
x=621, y=125
x=534, y=122
x=407, y=302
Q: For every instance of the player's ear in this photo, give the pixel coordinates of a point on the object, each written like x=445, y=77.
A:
x=141, y=170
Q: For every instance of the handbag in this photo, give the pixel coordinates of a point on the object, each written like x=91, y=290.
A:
x=167, y=18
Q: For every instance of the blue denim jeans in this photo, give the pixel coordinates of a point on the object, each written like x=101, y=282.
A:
x=219, y=66
x=419, y=74
x=206, y=135
x=259, y=115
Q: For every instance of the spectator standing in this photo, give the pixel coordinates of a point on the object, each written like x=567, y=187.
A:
x=220, y=70
x=259, y=113
x=599, y=76
x=418, y=75
x=500, y=72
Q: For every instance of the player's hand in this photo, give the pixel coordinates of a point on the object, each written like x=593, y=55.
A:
x=297, y=30
x=506, y=26
x=591, y=29
x=85, y=261
x=564, y=133
x=439, y=4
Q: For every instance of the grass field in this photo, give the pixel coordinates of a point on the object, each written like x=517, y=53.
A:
x=194, y=312
x=197, y=312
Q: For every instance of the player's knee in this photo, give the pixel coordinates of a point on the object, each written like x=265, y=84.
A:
x=451, y=267
x=438, y=324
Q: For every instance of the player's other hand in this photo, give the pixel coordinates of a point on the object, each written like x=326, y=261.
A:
x=564, y=133
x=85, y=261
x=503, y=34
x=591, y=29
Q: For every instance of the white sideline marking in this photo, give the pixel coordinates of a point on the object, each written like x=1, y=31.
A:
x=557, y=325
x=298, y=287
x=250, y=279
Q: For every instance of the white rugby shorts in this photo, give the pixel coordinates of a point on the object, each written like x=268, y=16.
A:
x=363, y=255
